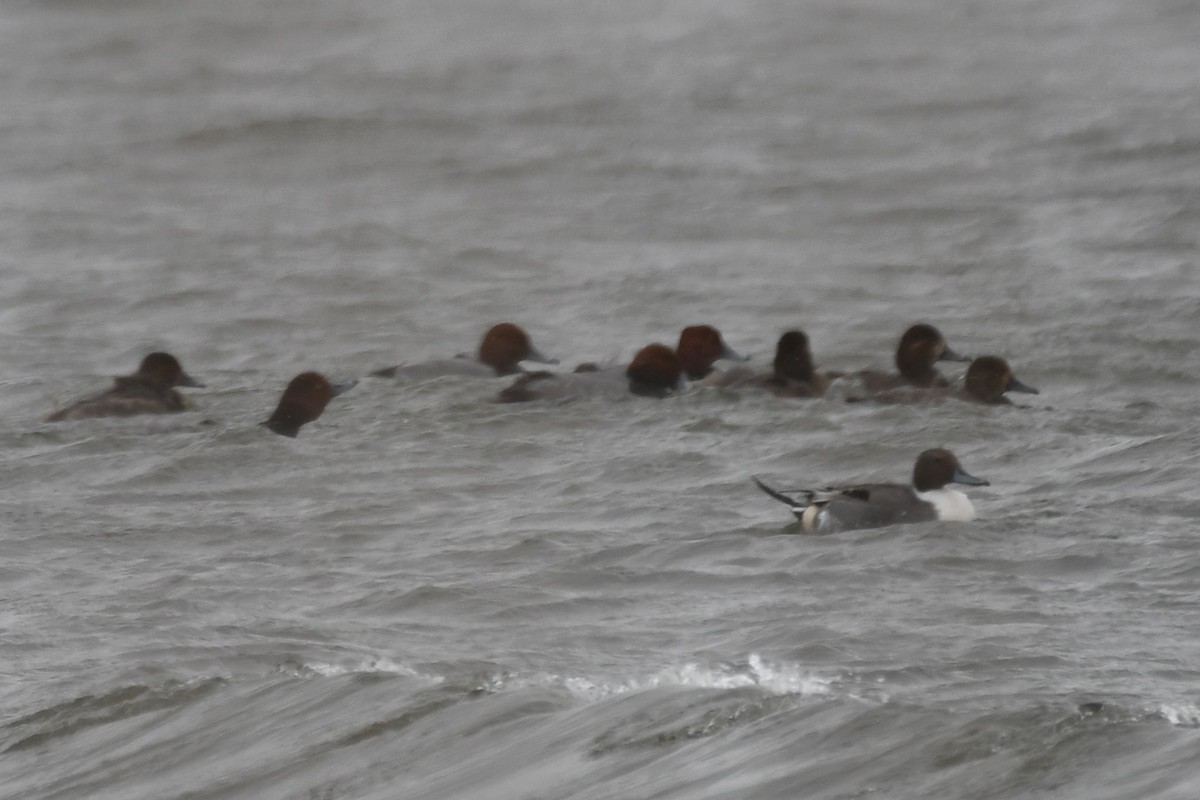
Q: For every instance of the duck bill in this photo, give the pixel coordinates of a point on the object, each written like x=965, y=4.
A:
x=729, y=354
x=342, y=387
x=951, y=355
x=537, y=357
x=1015, y=385
x=967, y=479
x=286, y=428
x=188, y=380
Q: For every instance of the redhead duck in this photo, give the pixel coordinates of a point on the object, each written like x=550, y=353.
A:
x=655, y=371
x=501, y=351
x=150, y=390
x=701, y=346
x=303, y=401
x=874, y=505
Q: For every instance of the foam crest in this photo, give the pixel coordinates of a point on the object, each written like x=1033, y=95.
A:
x=757, y=673
x=370, y=666
x=1183, y=715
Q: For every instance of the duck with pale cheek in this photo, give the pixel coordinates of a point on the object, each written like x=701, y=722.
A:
x=875, y=505
x=501, y=352
x=150, y=390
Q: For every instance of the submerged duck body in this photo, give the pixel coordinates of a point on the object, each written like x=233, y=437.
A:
x=303, y=401
x=500, y=353
x=655, y=371
x=589, y=381
x=987, y=381
x=150, y=390
x=792, y=371
x=875, y=505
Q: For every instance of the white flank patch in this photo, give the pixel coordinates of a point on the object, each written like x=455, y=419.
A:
x=811, y=517
x=949, y=504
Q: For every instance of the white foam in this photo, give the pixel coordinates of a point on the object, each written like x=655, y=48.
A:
x=1183, y=715
x=789, y=679
x=380, y=665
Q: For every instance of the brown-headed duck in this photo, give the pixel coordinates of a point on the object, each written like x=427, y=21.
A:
x=919, y=349
x=651, y=372
x=792, y=371
x=986, y=381
x=150, y=390
x=988, y=378
x=303, y=401
x=701, y=346
x=501, y=351
x=655, y=371
x=875, y=505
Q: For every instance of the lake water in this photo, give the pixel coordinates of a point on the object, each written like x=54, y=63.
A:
x=429, y=595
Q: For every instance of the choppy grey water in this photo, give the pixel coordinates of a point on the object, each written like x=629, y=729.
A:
x=428, y=595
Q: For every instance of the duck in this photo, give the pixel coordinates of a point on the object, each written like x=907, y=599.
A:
x=700, y=347
x=655, y=371
x=875, y=505
x=150, y=390
x=503, y=347
x=988, y=379
x=303, y=401
x=792, y=371
x=919, y=349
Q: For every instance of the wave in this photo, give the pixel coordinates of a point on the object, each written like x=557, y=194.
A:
x=756, y=672
x=89, y=711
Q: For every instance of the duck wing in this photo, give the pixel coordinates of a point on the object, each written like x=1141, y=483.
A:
x=876, y=504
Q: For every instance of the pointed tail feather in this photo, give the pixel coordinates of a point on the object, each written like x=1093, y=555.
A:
x=780, y=496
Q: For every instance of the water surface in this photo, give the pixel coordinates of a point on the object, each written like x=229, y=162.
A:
x=429, y=595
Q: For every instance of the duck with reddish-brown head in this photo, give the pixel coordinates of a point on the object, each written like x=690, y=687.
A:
x=700, y=347
x=303, y=401
x=988, y=379
x=500, y=352
x=917, y=353
x=655, y=371
x=150, y=390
